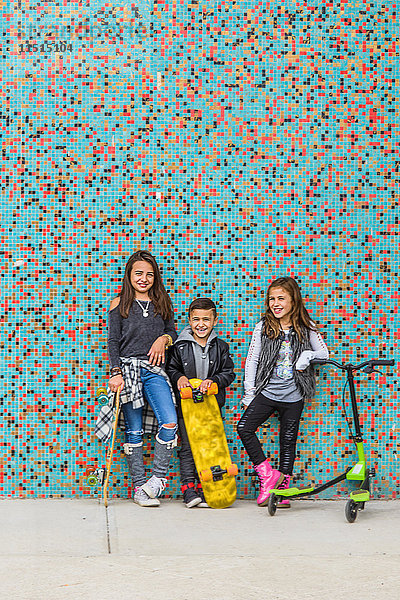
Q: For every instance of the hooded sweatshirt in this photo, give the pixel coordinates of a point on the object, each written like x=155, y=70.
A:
x=201, y=357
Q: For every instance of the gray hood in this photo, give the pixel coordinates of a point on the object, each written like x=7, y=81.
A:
x=200, y=354
x=186, y=335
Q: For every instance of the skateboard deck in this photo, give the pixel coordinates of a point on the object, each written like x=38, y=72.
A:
x=208, y=443
x=101, y=476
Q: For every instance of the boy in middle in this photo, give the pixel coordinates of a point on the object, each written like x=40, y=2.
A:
x=198, y=353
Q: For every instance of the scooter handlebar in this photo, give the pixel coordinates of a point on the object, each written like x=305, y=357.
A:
x=371, y=363
x=376, y=362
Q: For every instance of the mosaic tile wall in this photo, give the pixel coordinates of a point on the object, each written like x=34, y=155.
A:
x=238, y=141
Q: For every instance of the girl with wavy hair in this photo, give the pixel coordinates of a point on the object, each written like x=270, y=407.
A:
x=279, y=378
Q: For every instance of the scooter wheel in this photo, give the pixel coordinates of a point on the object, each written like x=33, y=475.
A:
x=272, y=502
x=351, y=511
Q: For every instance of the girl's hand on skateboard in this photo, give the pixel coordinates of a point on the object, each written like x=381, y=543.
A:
x=205, y=385
x=183, y=382
x=116, y=382
x=156, y=353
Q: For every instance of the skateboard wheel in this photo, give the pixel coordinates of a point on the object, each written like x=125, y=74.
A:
x=213, y=389
x=206, y=475
x=90, y=469
x=92, y=480
x=232, y=470
x=186, y=392
x=101, y=391
x=103, y=399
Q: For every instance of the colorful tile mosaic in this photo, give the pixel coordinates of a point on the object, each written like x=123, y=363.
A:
x=238, y=141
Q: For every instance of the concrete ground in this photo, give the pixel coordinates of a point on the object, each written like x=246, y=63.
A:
x=72, y=549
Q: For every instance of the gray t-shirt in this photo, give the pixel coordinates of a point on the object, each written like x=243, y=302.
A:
x=282, y=387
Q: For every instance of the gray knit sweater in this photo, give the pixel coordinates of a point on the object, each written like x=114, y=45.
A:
x=134, y=336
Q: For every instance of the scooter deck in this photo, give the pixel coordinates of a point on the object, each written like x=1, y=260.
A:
x=209, y=447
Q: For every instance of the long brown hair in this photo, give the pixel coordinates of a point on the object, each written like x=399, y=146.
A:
x=157, y=293
x=299, y=316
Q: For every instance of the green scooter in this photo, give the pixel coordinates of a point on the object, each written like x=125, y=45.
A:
x=359, y=471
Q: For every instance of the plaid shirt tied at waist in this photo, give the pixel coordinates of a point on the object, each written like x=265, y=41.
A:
x=132, y=392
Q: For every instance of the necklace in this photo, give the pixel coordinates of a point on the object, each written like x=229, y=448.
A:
x=145, y=309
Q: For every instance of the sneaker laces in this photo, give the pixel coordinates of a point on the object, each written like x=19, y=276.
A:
x=162, y=482
x=200, y=492
x=285, y=483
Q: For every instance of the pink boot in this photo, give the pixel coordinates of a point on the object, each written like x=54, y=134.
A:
x=269, y=479
x=284, y=502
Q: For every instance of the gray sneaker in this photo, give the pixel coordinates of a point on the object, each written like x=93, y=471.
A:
x=143, y=499
x=154, y=486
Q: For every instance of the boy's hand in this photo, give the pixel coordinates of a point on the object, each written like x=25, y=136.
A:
x=205, y=385
x=183, y=382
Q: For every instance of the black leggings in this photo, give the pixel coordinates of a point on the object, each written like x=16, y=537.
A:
x=260, y=409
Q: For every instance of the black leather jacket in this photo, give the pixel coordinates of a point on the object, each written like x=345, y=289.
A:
x=181, y=362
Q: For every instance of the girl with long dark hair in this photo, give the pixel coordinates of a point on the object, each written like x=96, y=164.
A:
x=141, y=327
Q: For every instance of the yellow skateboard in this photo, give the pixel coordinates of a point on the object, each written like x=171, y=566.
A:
x=208, y=443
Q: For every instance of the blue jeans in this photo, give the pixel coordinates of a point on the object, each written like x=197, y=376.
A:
x=158, y=394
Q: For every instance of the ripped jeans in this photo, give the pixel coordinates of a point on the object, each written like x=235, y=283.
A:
x=158, y=395
x=260, y=409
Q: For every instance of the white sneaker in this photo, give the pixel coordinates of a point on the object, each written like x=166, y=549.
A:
x=203, y=503
x=143, y=499
x=154, y=486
